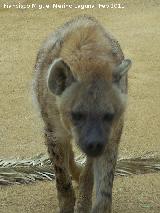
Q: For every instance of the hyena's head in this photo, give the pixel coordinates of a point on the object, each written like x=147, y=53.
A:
x=89, y=109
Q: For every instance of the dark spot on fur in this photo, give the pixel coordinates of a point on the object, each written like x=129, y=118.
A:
x=53, y=145
x=111, y=178
x=67, y=187
x=53, y=153
x=106, y=194
x=63, y=187
x=58, y=181
x=55, y=168
x=57, y=157
x=58, y=169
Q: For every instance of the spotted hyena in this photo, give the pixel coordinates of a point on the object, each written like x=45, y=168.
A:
x=81, y=88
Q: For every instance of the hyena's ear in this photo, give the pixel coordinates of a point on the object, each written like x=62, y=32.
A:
x=121, y=70
x=59, y=77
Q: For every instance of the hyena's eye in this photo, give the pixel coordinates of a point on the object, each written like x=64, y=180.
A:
x=108, y=117
x=78, y=116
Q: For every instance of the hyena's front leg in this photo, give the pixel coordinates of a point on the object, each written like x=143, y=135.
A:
x=104, y=168
x=59, y=155
x=84, y=200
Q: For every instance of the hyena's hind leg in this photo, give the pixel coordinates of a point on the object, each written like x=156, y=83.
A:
x=75, y=168
x=59, y=156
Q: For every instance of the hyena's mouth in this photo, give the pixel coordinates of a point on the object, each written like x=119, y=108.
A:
x=92, y=150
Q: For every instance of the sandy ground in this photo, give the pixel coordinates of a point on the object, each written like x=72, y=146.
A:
x=21, y=33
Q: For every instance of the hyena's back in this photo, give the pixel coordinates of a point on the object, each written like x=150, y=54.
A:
x=87, y=48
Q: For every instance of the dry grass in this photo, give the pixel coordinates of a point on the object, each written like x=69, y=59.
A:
x=16, y=171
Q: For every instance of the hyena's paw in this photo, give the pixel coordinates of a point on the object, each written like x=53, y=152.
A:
x=101, y=209
x=66, y=202
x=80, y=210
x=66, y=211
x=66, y=208
x=82, y=207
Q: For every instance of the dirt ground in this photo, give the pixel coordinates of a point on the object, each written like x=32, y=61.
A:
x=136, y=26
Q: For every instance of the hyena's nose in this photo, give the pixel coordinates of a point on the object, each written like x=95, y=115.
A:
x=94, y=147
